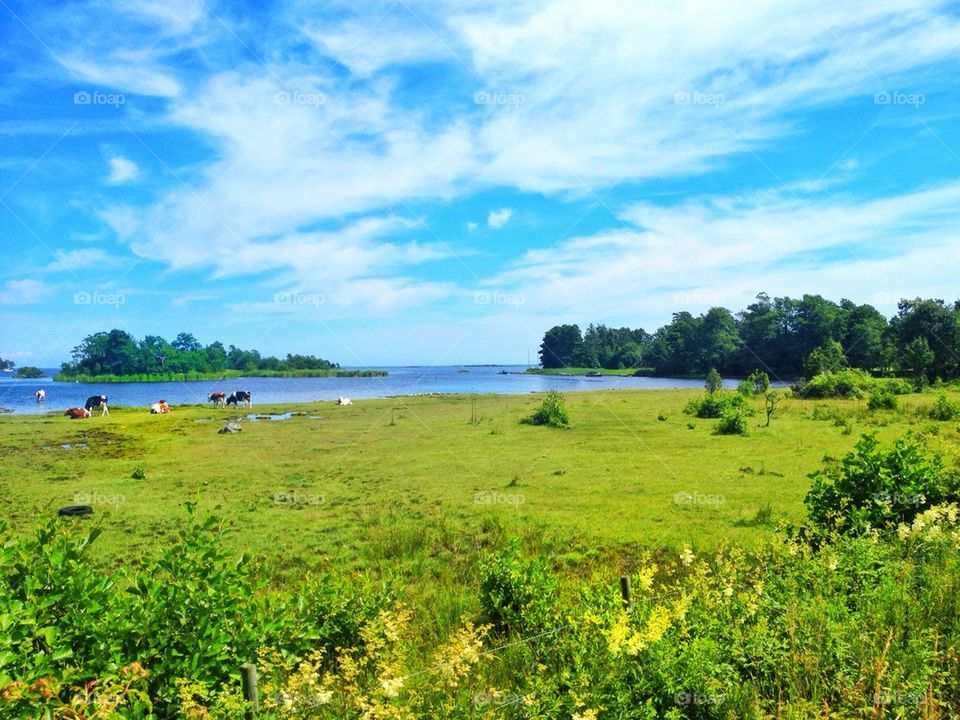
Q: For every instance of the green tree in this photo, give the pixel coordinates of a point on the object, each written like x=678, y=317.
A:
x=713, y=382
x=828, y=357
x=919, y=360
x=561, y=344
x=186, y=342
x=934, y=322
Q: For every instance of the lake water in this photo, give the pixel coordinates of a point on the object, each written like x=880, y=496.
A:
x=18, y=396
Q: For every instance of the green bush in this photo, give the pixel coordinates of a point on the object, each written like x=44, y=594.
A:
x=847, y=383
x=715, y=404
x=897, y=386
x=878, y=486
x=732, y=422
x=193, y=612
x=552, y=411
x=882, y=400
x=943, y=409
x=515, y=594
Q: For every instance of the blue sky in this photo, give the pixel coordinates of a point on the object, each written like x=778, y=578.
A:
x=439, y=183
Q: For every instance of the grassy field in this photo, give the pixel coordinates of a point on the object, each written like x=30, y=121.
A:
x=412, y=503
x=377, y=481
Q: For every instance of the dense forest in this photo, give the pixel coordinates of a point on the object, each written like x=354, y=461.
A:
x=785, y=337
x=119, y=353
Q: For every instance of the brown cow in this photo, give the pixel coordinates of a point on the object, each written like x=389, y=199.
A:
x=77, y=413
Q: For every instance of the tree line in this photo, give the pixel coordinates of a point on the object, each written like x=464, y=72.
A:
x=783, y=336
x=118, y=353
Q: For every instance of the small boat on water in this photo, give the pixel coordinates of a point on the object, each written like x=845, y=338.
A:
x=594, y=373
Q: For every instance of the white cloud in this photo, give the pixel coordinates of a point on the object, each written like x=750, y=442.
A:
x=498, y=218
x=24, y=292
x=722, y=251
x=592, y=96
x=122, y=170
x=82, y=259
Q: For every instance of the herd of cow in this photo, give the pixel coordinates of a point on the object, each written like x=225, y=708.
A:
x=99, y=402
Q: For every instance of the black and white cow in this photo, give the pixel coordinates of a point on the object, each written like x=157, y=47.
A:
x=240, y=396
x=95, y=402
x=41, y=395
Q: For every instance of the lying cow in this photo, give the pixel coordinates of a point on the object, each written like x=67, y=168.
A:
x=77, y=413
x=41, y=395
x=240, y=396
x=95, y=402
x=218, y=398
x=159, y=408
x=344, y=401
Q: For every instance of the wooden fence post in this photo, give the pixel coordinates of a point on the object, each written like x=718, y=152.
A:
x=250, y=693
x=625, y=590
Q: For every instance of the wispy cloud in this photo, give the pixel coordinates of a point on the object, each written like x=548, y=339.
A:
x=24, y=292
x=498, y=218
x=122, y=170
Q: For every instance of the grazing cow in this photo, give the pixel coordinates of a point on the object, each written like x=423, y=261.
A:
x=77, y=413
x=217, y=398
x=159, y=408
x=41, y=395
x=240, y=396
x=97, y=401
x=344, y=401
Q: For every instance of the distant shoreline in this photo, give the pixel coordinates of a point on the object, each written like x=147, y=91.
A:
x=222, y=375
x=620, y=372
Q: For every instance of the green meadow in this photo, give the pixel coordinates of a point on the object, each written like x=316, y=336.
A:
x=355, y=485
x=433, y=556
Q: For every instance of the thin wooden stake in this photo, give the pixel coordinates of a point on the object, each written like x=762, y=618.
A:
x=625, y=590
x=250, y=693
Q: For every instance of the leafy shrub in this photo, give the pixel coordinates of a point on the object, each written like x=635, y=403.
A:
x=882, y=400
x=515, y=594
x=732, y=422
x=552, y=411
x=878, y=486
x=756, y=383
x=714, y=405
x=193, y=612
x=713, y=381
x=847, y=383
x=943, y=409
x=897, y=386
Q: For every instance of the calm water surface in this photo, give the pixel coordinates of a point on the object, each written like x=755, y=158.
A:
x=18, y=396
